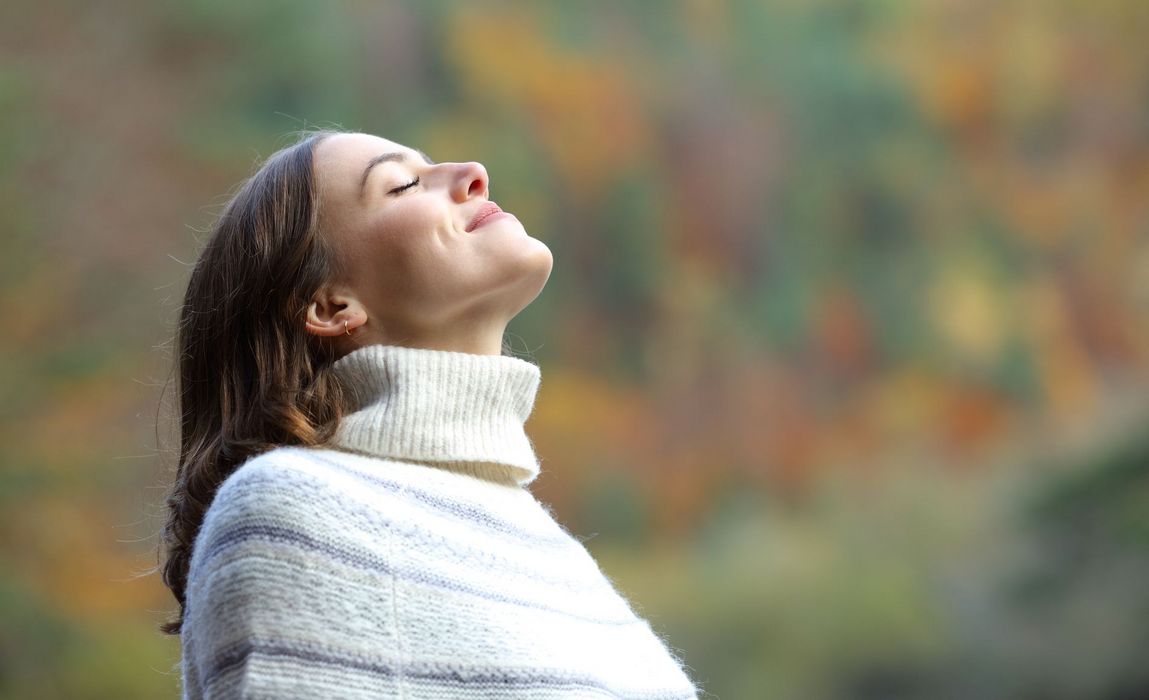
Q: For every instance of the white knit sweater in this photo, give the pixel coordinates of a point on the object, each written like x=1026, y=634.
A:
x=408, y=560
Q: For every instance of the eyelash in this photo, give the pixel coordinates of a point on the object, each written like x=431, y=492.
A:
x=397, y=190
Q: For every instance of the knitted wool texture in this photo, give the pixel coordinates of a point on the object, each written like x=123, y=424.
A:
x=408, y=560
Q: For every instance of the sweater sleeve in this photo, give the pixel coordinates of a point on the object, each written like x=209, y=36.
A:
x=276, y=607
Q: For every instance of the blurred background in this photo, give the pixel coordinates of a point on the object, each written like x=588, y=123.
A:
x=844, y=352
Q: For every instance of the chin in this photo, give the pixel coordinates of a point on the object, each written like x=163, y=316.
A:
x=542, y=260
x=528, y=251
x=533, y=272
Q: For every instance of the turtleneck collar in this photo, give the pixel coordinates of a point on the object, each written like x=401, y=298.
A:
x=460, y=411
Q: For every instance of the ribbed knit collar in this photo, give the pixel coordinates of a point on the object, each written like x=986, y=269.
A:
x=461, y=411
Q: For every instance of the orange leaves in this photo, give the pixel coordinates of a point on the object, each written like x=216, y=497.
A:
x=960, y=96
x=77, y=423
x=842, y=332
x=69, y=552
x=971, y=418
x=581, y=105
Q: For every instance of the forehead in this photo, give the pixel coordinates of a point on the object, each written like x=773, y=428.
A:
x=340, y=158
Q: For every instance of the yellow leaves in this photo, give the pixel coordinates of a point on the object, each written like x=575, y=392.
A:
x=977, y=67
x=912, y=414
x=959, y=95
x=579, y=421
x=69, y=541
x=581, y=407
x=581, y=105
x=27, y=324
x=1029, y=64
x=902, y=406
x=584, y=424
x=1065, y=370
x=77, y=423
x=970, y=312
x=69, y=553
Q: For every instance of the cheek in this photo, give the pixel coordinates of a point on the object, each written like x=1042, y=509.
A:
x=402, y=255
x=404, y=224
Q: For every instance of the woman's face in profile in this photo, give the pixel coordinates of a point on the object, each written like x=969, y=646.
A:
x=417, y=240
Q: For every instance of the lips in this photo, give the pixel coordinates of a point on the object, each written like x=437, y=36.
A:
x=486, y=211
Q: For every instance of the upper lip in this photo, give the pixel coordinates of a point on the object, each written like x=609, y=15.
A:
x=484, y=211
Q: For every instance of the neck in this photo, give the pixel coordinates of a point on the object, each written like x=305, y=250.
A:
x=460, y=411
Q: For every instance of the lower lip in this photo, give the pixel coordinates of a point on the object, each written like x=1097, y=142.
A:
x=489, y=219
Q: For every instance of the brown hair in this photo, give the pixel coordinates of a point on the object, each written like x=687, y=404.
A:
x=250, y=376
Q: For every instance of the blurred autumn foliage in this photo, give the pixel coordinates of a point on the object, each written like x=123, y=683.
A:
x=844, y=352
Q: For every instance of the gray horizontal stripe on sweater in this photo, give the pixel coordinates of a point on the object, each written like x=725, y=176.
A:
x=446, y=505
x=463, y=678
x=416, y=533
x=242, y=533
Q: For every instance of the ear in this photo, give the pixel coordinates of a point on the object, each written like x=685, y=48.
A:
x=332, y=314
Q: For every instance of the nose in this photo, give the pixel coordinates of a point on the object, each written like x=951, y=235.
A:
x=470, y=181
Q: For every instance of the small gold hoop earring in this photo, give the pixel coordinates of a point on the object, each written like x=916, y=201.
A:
x=346, y=328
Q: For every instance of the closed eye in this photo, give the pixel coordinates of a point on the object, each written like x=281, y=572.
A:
x=397, y=190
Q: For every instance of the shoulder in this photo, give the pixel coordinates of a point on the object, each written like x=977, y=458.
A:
x=272, y=480
x=283, y=494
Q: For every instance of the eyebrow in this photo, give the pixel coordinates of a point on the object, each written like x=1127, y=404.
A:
x=386, y=157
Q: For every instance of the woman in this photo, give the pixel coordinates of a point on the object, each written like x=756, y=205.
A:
x=349, y=517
